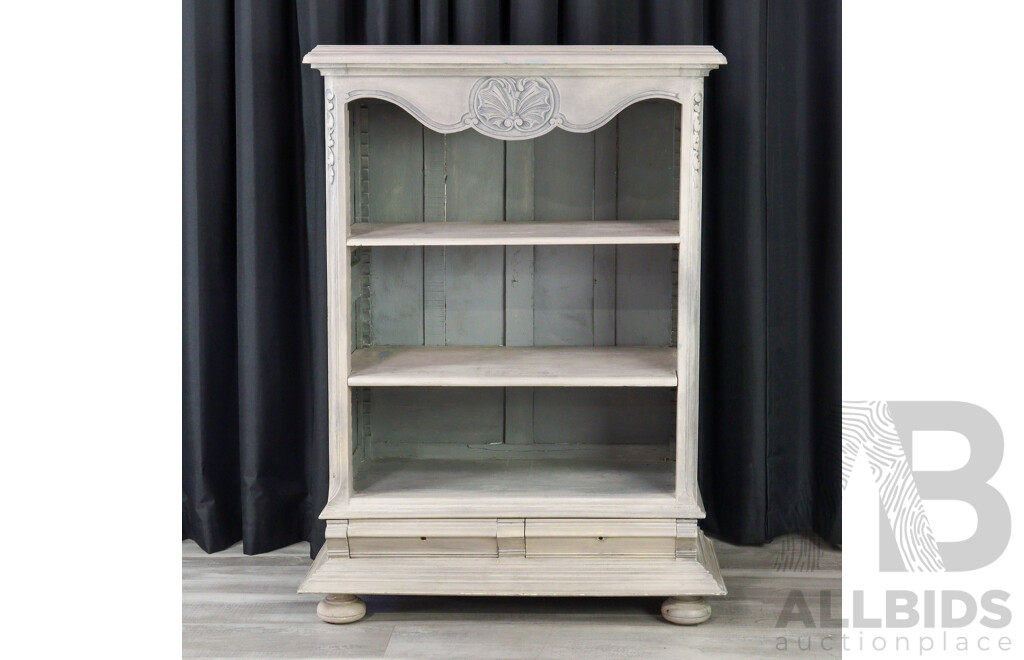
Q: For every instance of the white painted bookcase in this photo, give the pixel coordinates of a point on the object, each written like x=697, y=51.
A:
x=513, y=261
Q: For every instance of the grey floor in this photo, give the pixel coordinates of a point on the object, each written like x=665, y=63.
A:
x=240, y=606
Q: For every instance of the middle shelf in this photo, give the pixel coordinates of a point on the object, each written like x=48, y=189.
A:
x=617, y=232
x=487, y=366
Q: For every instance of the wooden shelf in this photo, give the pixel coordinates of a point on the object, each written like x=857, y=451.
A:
x=536, y=477
x=602, y=487
x=513, y=487
x=460, y=366
x=619, y=232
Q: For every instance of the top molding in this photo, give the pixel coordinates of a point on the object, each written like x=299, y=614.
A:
x=595, y=61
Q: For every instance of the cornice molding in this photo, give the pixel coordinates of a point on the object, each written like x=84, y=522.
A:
x=592, y=61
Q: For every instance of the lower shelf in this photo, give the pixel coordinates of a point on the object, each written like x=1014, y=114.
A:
x=519, y=576
x=402, y=487
x=514, y=477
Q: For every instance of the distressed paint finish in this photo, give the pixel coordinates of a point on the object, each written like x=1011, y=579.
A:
x=339, y=346
x=517, y=384
x=688, y=341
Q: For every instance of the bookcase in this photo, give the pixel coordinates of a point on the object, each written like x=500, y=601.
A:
x=513, y=250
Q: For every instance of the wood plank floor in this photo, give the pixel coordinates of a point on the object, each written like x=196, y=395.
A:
x=240, y=606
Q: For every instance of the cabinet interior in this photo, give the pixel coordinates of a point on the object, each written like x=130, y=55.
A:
x=555, y=439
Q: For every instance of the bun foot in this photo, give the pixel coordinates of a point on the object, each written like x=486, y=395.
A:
x=686, y=610
x=341, y=608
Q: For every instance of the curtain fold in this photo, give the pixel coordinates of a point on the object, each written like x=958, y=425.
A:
x=254, y=311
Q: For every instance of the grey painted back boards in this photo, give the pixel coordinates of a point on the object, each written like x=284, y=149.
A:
x=564, y=295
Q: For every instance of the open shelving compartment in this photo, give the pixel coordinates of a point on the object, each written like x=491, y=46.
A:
x=513, y=317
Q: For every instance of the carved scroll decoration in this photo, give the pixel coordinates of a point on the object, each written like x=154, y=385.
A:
x=329, y=124
x=698, y=108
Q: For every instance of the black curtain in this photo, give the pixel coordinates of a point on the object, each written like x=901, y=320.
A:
x=254, y=317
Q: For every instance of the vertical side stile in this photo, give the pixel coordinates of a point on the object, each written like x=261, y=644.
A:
x=338, y=293
x=688, y=342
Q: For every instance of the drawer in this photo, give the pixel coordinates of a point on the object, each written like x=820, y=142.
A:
x=423, y=538
x=557, y=537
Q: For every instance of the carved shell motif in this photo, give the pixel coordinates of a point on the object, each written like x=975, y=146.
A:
x=514, y=107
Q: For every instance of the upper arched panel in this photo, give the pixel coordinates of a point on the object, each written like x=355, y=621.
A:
x=511, y=108
x=514, y=93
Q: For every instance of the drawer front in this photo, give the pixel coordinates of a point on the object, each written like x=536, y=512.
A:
x=423, y=538
x=557, y=537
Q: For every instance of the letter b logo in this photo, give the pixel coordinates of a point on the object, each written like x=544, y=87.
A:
x=883, y=430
